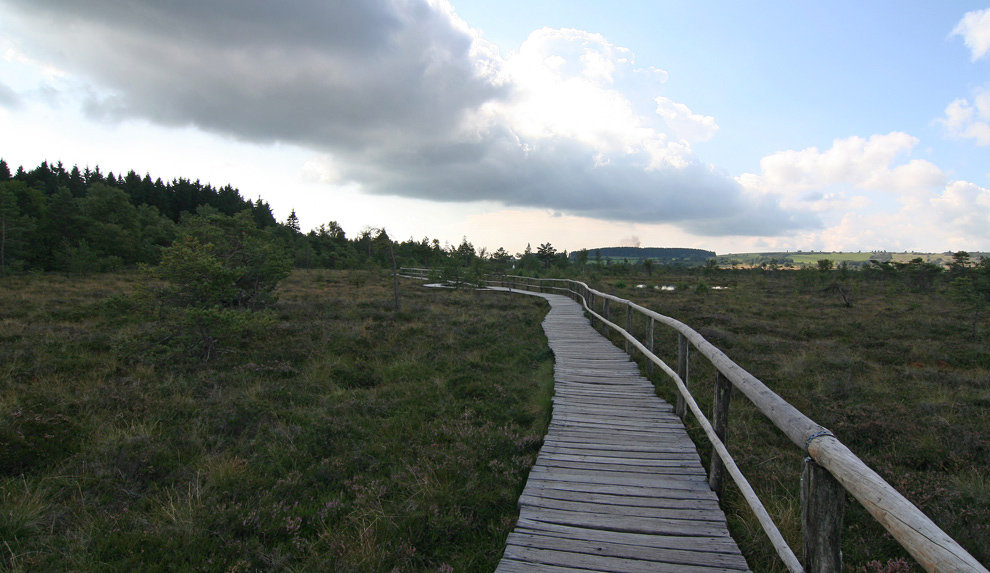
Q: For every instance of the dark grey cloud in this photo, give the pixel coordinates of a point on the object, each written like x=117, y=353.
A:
x=321, y=73
x=383, y=86
x=565, y=177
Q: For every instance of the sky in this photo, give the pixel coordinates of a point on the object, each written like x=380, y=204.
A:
x=728, y=126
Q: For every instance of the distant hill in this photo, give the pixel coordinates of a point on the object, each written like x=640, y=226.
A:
x=662, y=255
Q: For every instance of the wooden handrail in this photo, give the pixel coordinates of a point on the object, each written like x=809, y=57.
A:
x=414, y=273
x=931, y=547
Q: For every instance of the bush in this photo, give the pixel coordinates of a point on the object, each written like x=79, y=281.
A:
x=220, y=276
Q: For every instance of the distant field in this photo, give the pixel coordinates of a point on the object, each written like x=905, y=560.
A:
x=812, y=258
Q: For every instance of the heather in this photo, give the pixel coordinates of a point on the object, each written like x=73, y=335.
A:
x=343, y=436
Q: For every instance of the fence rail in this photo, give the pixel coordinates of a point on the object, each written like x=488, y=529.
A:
x=831, y=469
x=414, y=273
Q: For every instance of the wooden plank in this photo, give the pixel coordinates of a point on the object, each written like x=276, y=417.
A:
x=626, y=523
x=617, y=438
x=588, y=407
x=712, y=515
x=621, y=398
x=675, y=447
x=619, y=478
x=601, y=563
x=617, y=396
x=666, y=491
x=671, y=555
x=686, y=502
x=717, y=544
x=507, y=565
x=664, y=461
x=603, y=418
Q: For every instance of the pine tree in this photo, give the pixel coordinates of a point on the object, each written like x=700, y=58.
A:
x=293, y=221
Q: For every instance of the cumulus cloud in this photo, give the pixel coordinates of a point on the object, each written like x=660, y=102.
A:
x=975, y=31
x=967, y=120
x=869, y=191
x=816, y=180
x=689, y=126
x=963, y=209
x=402, y=97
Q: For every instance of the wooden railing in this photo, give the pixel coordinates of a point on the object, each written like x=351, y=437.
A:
x=415, y=273
x=830, y=470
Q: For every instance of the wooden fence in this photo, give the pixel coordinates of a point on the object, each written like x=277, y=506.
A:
x=830, y=470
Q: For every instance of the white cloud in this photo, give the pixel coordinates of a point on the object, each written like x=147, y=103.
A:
x=955, y=217
x=869, y=193
x=320, y=169
x=563, y=90
x=689, y=126
x=967, y=120
x=815, y=180
x=963, y=209
x=975, y=30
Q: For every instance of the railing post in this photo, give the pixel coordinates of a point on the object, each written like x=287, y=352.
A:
x=682, y=371
x=649, y=344
x=720, y=423
x=606, y=315
x=628, y=326
x=823, y=501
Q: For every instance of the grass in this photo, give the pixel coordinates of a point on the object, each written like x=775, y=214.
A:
x=347, y=437
x=898, y=377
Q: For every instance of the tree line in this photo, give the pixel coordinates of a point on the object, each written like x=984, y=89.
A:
x=58, y=219
x=82, y=220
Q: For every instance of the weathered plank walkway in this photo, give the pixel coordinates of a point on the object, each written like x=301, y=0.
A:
x=618, y=485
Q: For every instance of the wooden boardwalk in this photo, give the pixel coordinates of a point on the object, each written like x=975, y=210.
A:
x=618, y=485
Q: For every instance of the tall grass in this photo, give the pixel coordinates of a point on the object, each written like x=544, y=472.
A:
x=349, y=437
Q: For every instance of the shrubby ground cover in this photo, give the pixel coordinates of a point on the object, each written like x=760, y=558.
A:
x=343, y=437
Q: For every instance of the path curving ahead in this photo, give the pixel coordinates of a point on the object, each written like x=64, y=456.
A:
x=618, y=485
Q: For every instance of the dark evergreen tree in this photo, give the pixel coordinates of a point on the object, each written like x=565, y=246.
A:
x=292, y=221
x=76, y=182
x=262, y=213
x=15, y=230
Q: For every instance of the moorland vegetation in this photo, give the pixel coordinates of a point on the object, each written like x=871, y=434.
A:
x=186, y=383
